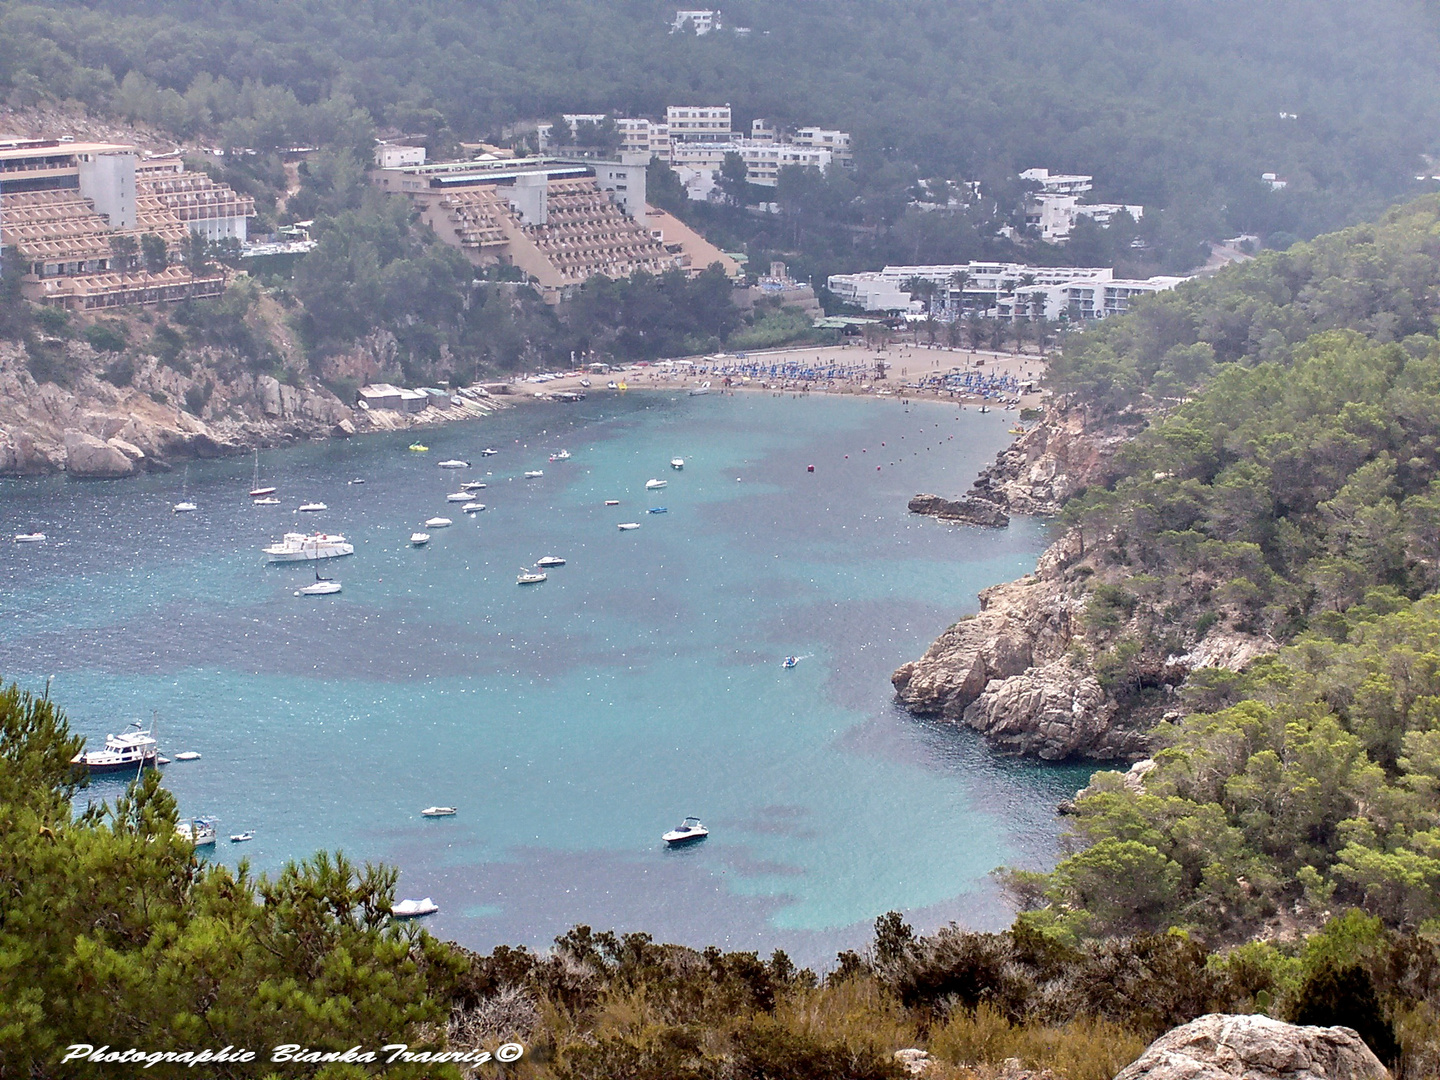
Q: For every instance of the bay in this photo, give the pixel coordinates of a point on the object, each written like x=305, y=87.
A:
x=574, y=721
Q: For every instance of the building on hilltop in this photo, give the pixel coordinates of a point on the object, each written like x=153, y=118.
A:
x=75, y=215
x=836, y=142
x=1056, y=207
x=394, y=155
x=998, y=290
x=560, y=221
x=698, y=123
x=701, y=22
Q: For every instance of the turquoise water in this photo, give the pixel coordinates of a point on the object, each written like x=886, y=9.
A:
x=574, y=721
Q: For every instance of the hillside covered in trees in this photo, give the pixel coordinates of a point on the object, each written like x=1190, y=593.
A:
x=1179, y=106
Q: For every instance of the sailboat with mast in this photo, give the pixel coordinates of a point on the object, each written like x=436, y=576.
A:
x=257, y=491
x=185, y=506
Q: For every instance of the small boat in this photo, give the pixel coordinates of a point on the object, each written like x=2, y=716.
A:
x=533, y=473
x=626, y=526
x=357, y=480
x=473, y=485
x=256, y=491
x=184, y=506
x=323, y=586
x=688, y=830
x=550, y=560
x=677, y=462
x=410, y=909
x=268, y=500
x=241, y=837
x=187, y=755
x=29, y=538
x=453, y=463
x=703, y=388
x=791, y=661
x=562, y=455
x=310, y=508
x=419, y=539
x=623, y=386
x=984, y=408
x=1017, y=430
x=438, y=811
x=658, y=510
x=612, y=385
x=612, y=502
x=530, y=577
x=473, y=507
x=655, y=485
x=199, y=831
x=489, y=451
x=419, y=448
x=458, y=496
x=438, y=523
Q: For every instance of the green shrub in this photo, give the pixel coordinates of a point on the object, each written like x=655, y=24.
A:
x=106, y=337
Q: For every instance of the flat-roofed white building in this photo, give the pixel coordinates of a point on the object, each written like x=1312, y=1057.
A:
x=698, y=123
x=837, y=142
x=644, y=136
x=699, y=163
x=1055, y=215
x=395, y=156
x=1059, y=183
x=700, y=21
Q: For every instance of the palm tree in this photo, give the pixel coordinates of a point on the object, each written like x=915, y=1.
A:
x=975, y=330
x=958, y=280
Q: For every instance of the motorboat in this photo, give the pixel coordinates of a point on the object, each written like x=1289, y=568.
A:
x=298, y=547
x=312, y=507
x=438, y=523
x=612, y=385
x=419, y=448
x=30, y=538
x=199, y=831
x=458, y=496
x=658, y=510
x=357, y=480
x=655, y=485
x=241, y=837
x=184, y=507
x=256, y=490
x=703, y=388
x=419, y=539
x=473, y=485
x=562, y=455
x=530, y=577
x=132, y=750
x=533, y=473
x=791, y=661
x=187, y=755
x=626, y=526
x=687, y=831
x=612, y=502
x=453, y=463
x=489, y=451
x=473, y=507
x=550, y=560
x=268, y=500
x=677, y=462
x=323, y=586
x=410, y=909
x=438, y=811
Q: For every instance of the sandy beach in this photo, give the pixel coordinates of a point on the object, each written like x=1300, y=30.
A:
x=914, y=371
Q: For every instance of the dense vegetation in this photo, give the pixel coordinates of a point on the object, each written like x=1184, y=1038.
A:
x=1177, y=106
x=111, y=932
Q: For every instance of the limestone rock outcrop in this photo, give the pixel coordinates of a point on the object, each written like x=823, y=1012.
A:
x=1224, y=1047
x=91, y=457
x=967, y=510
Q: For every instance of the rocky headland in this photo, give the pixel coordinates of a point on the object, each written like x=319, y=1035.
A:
x=1030, y=671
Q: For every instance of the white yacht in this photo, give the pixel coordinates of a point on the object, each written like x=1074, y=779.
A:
x=453, y=463
x=562, y=455
x=688, y=830
x=258, y=490
x=267, y=500
x=199, y=831
x=132, y=750
x=187, y=755
x=241, y=837
x=550, y=560
x=473, y=507
x=298, y=547
x=703, y=388
x=473, y=485
x=30, y=538
x=533, y=473
x=458, y=496
x=409, y=909
x=323, y=586
x=438, y=811
x=530, y=577
x=677, y=463
x=312, y=507
x=185, y=506
x=437, y=523
x=626, y=526
x=419, y=539
x=489, y=452
x=655, y=485
x=612, y=502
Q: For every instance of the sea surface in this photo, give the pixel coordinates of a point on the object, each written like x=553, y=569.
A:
x=571, y=722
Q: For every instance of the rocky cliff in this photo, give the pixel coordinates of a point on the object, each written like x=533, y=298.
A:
x=1030, y=671
x=91, y=425
x=1223, y=1047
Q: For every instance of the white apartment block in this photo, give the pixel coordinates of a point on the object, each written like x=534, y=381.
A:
x=702, y=22
x=1055, y=215
x=698, y=123
x=763, y=162
x=1058, y=183
x=645, y=136
x=837, y=142
x=395, y=156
